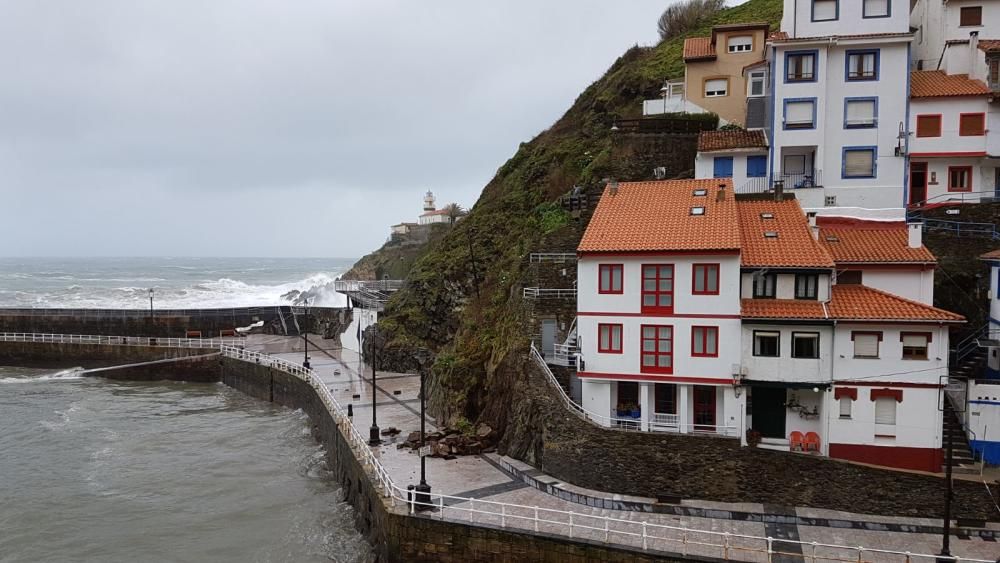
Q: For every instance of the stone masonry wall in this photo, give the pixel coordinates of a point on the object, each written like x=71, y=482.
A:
x=55, y=355
x=544, y=433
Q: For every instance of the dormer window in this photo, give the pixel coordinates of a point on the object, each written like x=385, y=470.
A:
x=697, y=211
x=699, y=193
x=740, y=44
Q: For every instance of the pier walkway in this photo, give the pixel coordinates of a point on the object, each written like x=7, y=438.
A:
x=493, y=490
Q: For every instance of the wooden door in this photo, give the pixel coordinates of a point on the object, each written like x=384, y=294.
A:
x=918, y=182
x=704, y=407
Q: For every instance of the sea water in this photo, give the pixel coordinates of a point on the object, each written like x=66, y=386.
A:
x=177, y=283
x=100, y=471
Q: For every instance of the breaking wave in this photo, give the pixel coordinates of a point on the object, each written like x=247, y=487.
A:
x=71, y=373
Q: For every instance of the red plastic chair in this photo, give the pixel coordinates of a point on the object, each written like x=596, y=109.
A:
x=796, y=441
x=811, y=442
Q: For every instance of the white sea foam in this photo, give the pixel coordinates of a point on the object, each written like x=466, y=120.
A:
x=72, y=373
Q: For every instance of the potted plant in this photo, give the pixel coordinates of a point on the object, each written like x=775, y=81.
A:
x=753, y=437
x=622, y=411
x=635, y=411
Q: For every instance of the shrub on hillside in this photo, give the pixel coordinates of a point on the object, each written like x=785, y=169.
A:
x=684, y=16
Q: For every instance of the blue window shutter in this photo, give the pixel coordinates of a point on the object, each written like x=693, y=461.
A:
x=723, y=167
x=756, y=166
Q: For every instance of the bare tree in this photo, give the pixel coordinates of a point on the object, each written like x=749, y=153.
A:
x=454, y=212
x=683, y=17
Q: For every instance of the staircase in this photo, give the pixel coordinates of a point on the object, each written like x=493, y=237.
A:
x=288, y=322
x=962, y=460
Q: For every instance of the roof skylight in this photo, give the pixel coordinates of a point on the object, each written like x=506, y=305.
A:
x=697, y=211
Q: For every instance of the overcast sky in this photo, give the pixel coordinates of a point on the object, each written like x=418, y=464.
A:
x=284, y=128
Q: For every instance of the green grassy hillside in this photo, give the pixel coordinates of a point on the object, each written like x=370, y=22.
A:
x=461, y=301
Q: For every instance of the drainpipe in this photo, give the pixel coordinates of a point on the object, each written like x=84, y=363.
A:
x=833, y=356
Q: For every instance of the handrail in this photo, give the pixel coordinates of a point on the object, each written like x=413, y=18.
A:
x=343, y=286
x=954, y=197
x=553, y=257
x=595, y=527
x=549, y=293
x=161, y=342
x=962, y=227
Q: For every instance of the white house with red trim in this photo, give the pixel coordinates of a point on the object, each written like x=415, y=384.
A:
x=700, y=313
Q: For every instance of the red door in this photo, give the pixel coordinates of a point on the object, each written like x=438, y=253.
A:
x=704, y=407
x=918, y=182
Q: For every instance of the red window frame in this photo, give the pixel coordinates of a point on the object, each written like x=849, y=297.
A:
x=658, y=350
x=968, y=172
x=926, y=131
x=703, y=338
x=610, y=348
x=977, y=132
x=658, y=292
x=611, y=269
x=706, y=272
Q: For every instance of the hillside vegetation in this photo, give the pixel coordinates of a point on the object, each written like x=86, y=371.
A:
x=462, y=298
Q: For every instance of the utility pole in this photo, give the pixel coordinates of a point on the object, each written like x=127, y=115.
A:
x=946, y=539
x=374, y=437
x=305, y=337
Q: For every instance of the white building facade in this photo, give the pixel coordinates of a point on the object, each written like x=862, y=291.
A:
x=685, y=326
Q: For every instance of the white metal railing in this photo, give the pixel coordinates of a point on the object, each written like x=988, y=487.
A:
x=563, y=355
x=626, y=423
x=594, y=527
x=201, y=343
x=546, y=293
x=553, y=257
x=343, y=286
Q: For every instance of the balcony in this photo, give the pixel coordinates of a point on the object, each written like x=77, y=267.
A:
x=791, y=182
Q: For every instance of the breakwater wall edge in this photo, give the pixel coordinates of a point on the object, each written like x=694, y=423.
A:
x=394, y=534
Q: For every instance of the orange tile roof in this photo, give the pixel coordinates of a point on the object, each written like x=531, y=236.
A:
x=734, y=139
x=937, y=84
x=696, y=48
x=991, y=255
x=781, y=309
x=848, y=303
x=873, y=246
x=989, y=45
x=762, y=62
x=863, y=303
x=656, y=216
x=778, y=36
x=794, y=246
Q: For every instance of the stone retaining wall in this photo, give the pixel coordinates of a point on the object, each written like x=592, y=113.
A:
x=543, y=433
x=57, y=355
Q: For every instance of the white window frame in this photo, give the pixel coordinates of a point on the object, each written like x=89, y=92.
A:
x=757, y=76
x=743, y=45
x=715, y=92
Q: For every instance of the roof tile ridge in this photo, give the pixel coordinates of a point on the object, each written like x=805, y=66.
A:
x=903, y=299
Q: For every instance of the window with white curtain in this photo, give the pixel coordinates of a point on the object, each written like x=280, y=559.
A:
x=800, y=114
x=885, y=410
x=859, y=163
x=875, y=8
x=865, y=344
x=859, y=113
x=824, y=10
x=845, y=407
x=716, y=87
x=740, y=44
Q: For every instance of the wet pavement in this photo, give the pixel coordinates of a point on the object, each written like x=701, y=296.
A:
x=482, y=478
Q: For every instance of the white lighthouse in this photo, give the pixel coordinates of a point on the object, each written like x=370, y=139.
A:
x=431, y=213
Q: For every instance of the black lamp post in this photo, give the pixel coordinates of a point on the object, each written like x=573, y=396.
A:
x=150, y=302
x=423, y=499
x=374, y=437
x=305, y=337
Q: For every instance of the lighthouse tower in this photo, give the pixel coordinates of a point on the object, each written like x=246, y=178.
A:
x=429, y=204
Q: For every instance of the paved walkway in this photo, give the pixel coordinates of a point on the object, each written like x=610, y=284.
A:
x=484, y=479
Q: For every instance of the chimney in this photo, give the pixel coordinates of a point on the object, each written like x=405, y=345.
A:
x=779, y=190
x=973, y=43
x=721, y=194
x=613, y=185
x=811, y=217
x=915, y=232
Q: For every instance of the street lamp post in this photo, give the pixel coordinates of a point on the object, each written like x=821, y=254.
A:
x=305, y=337
x=423, y=499
x=151, y=303
x=374, y=437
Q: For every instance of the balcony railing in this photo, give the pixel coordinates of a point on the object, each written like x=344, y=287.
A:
x=762, y=184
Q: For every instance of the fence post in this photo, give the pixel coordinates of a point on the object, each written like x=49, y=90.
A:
x=472, y=508
x=442, y=506
x=536, y=518
x=684, y=543
x=907, y=557
x=861, y=550
x=814, y=552
x=643, y=535
x=606, y=533
x=503, y=515
x=570, y=524
x=725, y=546
x=770, y=548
